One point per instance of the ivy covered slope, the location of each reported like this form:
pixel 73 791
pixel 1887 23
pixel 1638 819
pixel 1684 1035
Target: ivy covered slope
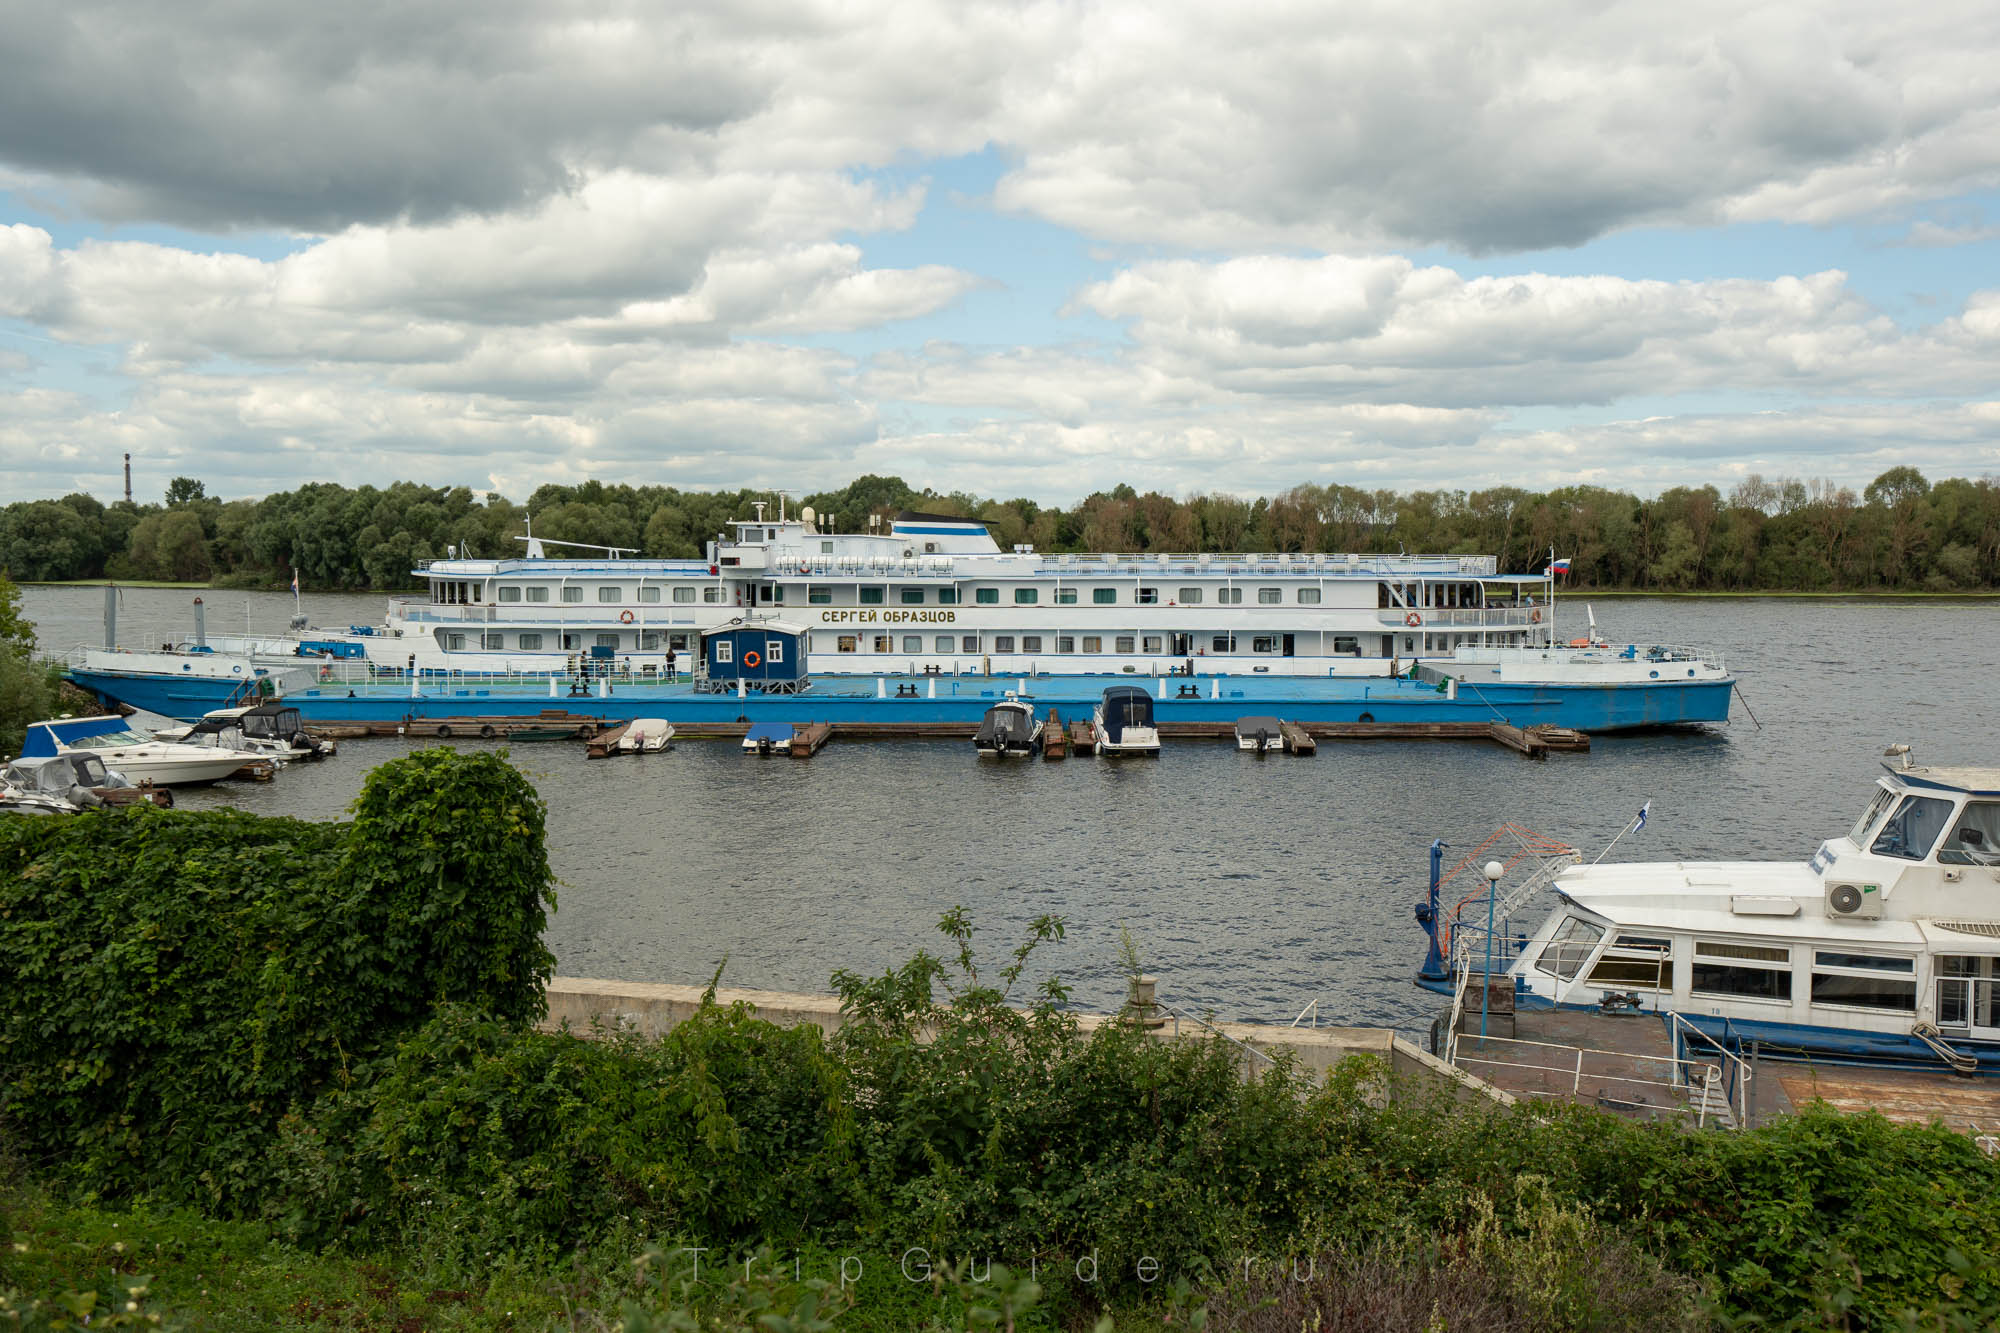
pixel 177 983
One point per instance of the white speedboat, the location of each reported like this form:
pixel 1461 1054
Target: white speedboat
pixel 1124 722
pixel 1259 735
pixel 1010 730
pixel 135 754
pixel 646 735
pixel 1883 946
pixel 81 780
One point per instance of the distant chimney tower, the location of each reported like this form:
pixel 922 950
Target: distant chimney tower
pixel 128 479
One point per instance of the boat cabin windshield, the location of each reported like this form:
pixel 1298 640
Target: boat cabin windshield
pixel 1884 798
pixel 277 724
pixel 1573 942
pixel 108 740
pixel 1975 836
pixel 1909 833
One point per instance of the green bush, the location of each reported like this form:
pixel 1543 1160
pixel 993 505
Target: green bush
pixel 485 1138
pixel 178 982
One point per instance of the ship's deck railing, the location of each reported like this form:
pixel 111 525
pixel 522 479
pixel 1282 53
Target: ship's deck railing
pixel 1475 617
pixel 1664 652
pixel 1699 1084
pixel 346 671
pixel 1268 562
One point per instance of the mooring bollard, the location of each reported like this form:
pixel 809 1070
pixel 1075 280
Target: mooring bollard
pixel 1140 1009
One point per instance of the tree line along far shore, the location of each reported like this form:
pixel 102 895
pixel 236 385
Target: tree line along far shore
pixel 1902 532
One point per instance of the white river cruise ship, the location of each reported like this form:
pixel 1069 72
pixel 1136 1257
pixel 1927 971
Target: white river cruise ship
pixel 933 593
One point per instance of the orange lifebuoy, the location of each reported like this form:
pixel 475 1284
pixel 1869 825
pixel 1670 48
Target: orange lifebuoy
pixel 1413 620
pixel 1579 643
pixel 750 659
pixel 624 617
pixel 1534 617
pixel 805 569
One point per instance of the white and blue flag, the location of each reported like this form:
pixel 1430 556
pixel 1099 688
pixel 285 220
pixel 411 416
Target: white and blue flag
pixel 1640 822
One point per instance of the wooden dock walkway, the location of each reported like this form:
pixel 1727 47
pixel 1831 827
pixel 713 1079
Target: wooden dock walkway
pixel 809 738
pixel 1059 741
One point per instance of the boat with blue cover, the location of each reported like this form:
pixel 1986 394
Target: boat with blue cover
pixel 1882 947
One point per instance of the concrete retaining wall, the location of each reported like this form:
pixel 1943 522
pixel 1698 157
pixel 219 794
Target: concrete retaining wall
pixel 653 1009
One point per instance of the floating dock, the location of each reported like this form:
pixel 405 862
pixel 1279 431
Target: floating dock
pixel 1059 740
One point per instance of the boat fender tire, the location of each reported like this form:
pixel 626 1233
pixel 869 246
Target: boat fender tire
pixel 486 732
pixel 165 798
pixel 1437 1025
pixel 1365 717
pixel 1413 620
pixel 443 733
pixel 624 617
pixel 1534 617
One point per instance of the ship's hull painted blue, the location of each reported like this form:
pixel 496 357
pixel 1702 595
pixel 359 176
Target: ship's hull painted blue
pixel 961 699
pixel 1791 1041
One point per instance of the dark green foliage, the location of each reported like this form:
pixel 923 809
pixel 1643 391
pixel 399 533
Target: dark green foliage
pixel 495 1139
pixel 177 982
pixel 327 1025
pixel 1783 535
pixel 27 689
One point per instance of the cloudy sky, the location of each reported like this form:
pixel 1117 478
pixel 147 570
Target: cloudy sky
pixel 1021 249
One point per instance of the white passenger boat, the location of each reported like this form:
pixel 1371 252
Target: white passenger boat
pixel 1010 730
pixel 1123 724
pixel 133 753
pixel 928 593
pixel 1883 946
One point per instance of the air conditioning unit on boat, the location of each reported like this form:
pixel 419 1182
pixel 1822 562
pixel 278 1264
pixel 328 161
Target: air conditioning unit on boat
pixel 1856 902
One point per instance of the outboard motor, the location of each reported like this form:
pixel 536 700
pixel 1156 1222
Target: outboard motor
pixel 82 797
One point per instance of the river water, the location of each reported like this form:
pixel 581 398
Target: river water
pixel 1251 886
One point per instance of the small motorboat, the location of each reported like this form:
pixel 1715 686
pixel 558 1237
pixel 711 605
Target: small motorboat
pixel 1259 735
pixel 82 781
pixel 646 735
pixel 1124 722
pixel 1010 730
pixel 267 730
pixel 769 738
pixel 138 756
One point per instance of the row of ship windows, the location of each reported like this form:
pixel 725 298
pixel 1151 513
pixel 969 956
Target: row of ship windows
pixel 821 595
pixel 1066 643
pixel 818 595
pixel 650 641
pixel 1733 971
pixel 612 594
